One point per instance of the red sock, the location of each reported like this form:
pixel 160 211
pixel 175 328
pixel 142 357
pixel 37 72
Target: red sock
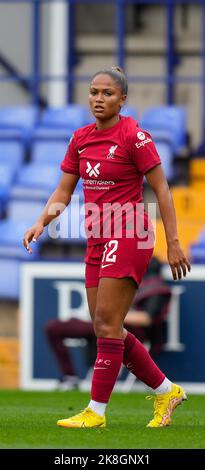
pixel 106 368
pixel 138 361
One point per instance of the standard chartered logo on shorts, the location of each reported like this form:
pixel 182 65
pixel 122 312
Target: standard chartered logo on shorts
pixel 93 171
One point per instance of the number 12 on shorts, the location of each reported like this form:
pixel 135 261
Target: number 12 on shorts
pixel 108 254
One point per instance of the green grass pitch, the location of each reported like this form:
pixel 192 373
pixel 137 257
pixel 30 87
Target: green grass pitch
pixel 28 420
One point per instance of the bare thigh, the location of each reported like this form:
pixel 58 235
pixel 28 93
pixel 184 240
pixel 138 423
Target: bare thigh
pixel 92 300
pixel 110 304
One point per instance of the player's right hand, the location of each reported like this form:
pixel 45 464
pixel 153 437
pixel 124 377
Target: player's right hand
pixel 32 235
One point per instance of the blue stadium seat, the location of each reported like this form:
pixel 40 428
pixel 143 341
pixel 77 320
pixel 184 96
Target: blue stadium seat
pixel 166 155
pixel 60 122
pixel 9 278
pixel 20 216
pixel 197 250
pixel 7 173
pixel 24 210
pixel 168 124
pixel 34 175
pixel 197 254
pixel 18 121
pixel 131 111
pixel 59 133
pixel 72 115
pixel 12 153
pixel 47 151
pixel 36 181
pixel 11 237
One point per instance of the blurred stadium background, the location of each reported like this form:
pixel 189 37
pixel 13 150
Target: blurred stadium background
pixel 48 52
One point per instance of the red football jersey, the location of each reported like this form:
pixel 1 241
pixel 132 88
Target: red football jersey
pixel 112 163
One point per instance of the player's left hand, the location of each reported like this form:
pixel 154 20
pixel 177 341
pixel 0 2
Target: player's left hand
pixel 178 262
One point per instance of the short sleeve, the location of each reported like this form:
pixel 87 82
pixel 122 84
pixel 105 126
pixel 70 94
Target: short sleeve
pixel 144 152
pixel 70 163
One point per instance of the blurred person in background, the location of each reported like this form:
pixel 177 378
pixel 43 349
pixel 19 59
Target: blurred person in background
pixel 112 155
pixel 144 320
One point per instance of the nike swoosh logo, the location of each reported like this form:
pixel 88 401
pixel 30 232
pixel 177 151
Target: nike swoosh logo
pixel 105 265
pixel 83 150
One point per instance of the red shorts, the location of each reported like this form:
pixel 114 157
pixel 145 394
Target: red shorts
pixel 117 258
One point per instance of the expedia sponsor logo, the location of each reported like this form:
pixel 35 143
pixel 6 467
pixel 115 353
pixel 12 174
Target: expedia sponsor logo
pixel 143 142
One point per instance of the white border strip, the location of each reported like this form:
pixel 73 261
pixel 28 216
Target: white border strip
pixel 30 271
pixel 191 387
pixel 197 274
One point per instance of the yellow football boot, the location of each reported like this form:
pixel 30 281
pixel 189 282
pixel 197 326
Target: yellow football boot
pixel 86 419
pixel 164 406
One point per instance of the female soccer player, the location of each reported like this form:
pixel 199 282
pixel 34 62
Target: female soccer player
pixel 112 156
